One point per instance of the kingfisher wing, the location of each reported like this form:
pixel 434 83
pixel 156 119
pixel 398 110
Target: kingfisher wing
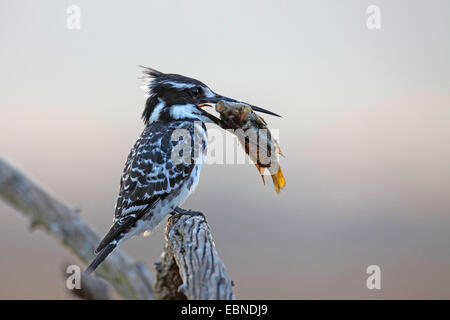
pixel 152 171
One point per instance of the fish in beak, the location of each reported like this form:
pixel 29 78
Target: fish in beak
pixel 254 136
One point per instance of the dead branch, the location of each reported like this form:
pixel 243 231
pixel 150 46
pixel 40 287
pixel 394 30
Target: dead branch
pixel 92 288
pixel 190 267
pixel 130 279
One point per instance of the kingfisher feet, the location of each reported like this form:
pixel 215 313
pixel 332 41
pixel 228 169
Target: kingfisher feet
pixel 181 211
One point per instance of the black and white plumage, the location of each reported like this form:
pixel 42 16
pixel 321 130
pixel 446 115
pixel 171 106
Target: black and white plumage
pixel 153 184
pixel 163 167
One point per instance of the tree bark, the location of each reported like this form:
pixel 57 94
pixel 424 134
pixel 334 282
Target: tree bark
pixel 190 262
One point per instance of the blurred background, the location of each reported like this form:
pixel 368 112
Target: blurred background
pixel 365 132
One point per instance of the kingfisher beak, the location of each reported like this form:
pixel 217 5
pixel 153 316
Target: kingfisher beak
pixel 216 98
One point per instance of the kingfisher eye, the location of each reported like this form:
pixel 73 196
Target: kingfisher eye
pixel 195 91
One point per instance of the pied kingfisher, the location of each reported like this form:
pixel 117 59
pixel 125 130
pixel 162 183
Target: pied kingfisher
pixel 158 176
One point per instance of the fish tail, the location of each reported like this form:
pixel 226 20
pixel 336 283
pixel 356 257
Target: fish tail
pixel 278 180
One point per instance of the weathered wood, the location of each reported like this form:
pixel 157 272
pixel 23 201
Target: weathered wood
pixel 130 278
pixel 190 266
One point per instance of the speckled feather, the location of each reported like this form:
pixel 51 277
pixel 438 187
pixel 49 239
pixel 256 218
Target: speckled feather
pixel 152 185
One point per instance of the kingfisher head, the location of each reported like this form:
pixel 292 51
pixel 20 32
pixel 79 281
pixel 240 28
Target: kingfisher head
pixel 172 97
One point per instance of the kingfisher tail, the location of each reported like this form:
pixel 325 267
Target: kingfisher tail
pixel 100 257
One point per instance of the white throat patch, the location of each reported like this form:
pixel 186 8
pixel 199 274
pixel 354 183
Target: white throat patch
pixel 184 111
